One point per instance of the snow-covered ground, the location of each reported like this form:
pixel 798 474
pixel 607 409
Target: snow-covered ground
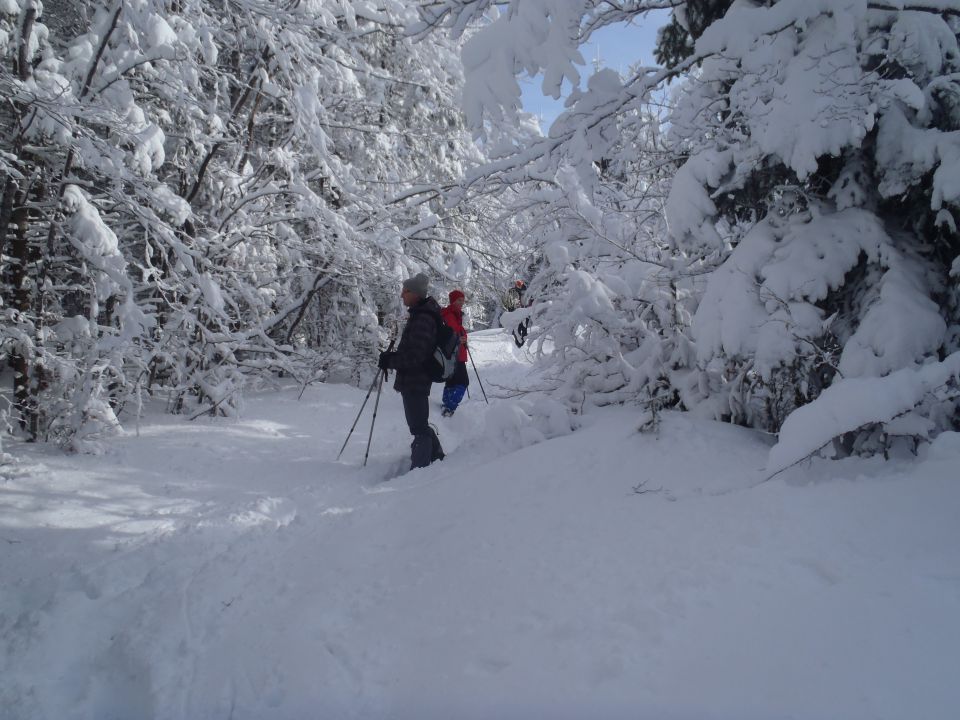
pixel 235 569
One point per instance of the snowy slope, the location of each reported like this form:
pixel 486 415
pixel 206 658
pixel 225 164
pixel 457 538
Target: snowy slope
pixel 234 569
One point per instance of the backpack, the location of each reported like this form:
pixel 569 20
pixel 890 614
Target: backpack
pixel 441 364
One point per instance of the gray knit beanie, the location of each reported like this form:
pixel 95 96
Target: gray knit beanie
pixel 418 284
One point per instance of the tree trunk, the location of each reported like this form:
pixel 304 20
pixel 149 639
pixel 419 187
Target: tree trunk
pixel 6 211
pixel 23 400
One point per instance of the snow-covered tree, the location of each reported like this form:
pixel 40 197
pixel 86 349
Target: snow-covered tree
pixel 831 126
pixel 592 191
pixel 810 221
pixel 603 288
pixel 197 195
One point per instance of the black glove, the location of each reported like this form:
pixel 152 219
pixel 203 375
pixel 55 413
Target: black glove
pixel 384 362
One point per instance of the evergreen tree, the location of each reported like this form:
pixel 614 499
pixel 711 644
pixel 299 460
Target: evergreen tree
pixel 675 41
pixel 821 192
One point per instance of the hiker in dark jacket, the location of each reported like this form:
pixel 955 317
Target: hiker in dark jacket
pixel 456 386
pixel 417 343
pixel 515 299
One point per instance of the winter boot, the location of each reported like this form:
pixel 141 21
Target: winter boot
pixel 425 449
pixel 421 451
pixel 438 453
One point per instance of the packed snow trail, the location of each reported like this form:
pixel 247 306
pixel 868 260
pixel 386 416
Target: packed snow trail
pixel 234 569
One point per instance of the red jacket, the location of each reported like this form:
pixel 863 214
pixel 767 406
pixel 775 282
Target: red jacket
pixel 454 320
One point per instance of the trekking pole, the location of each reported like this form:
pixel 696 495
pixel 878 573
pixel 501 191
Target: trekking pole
pixel 372 385
pixel 376 404
pixel 478 377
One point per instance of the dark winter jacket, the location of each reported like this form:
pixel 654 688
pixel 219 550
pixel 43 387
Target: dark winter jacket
pixel 417 342
pixel 453 317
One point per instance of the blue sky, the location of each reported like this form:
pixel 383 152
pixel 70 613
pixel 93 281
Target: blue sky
pixel 617 47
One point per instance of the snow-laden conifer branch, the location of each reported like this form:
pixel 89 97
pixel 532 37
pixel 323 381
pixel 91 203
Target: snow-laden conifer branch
pixel 942 7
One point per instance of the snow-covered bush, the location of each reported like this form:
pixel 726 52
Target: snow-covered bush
pixel 512 425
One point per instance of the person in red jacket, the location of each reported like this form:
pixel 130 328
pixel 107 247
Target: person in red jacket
pixel 456 386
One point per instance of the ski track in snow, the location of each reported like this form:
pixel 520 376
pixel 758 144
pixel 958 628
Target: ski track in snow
pixel 234 569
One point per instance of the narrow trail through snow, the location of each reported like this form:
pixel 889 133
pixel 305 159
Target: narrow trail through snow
pixel 235 569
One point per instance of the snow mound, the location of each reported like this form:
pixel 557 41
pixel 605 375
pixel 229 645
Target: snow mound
pixel 519 423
